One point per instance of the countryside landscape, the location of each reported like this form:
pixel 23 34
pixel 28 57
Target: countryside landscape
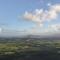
pixel 29 29
pixel 29 49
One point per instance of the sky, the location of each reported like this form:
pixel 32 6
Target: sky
pixel 19 17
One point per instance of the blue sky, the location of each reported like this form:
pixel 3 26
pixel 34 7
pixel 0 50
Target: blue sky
pixel 12 14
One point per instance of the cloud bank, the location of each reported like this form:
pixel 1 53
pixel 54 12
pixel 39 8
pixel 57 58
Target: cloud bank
pixel 40 16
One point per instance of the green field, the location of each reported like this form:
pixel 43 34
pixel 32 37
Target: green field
pixel 27 49
pixel 17 47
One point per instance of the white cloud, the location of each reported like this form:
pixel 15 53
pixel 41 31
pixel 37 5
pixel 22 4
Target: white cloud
pixel 53 12
pixel 55 27
pixel 0 30
pixel 49 4
pixel 40 16
pixel 36 16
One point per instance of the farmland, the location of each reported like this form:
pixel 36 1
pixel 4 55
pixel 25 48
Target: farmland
pixel 30 49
